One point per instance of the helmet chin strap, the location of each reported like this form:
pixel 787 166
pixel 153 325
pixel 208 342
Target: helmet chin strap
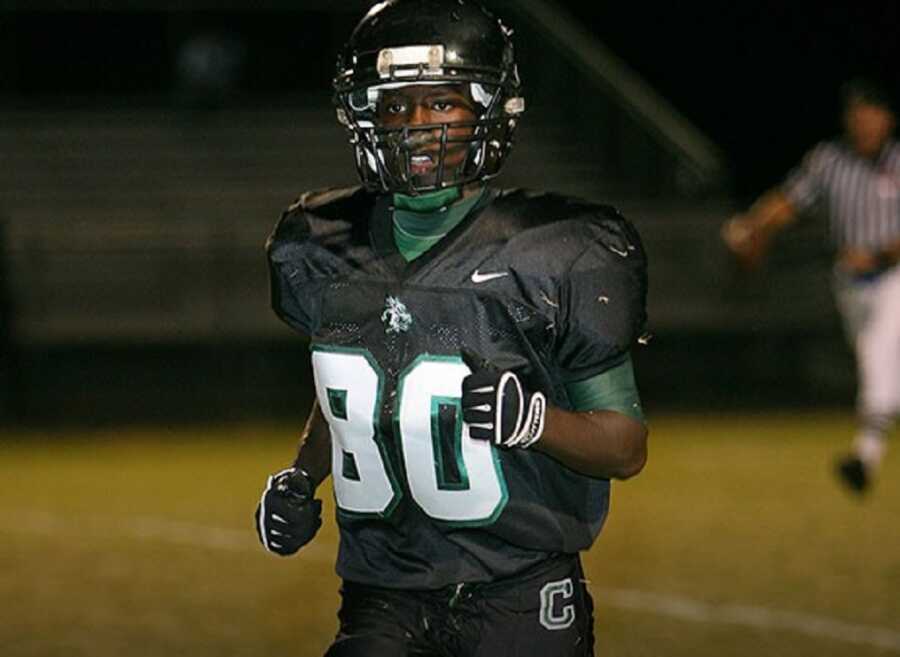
pixel 429 202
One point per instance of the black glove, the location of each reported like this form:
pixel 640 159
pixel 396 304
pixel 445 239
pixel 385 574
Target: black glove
pixel 288 517
pixel 497 408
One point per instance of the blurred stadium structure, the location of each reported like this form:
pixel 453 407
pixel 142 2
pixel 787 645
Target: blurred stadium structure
pixel 135 215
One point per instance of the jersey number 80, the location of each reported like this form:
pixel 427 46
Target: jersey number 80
pixel 350 386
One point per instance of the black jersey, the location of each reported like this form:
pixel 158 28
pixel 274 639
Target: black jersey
pixel 551 287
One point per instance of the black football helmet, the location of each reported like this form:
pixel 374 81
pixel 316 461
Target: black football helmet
pixel 402 43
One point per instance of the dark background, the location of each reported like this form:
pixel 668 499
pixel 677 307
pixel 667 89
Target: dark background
pixel 759 79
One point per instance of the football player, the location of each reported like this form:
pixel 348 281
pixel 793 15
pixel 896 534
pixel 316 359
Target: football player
pixel 471 355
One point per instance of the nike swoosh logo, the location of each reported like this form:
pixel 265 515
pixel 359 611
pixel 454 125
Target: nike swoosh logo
pixel 478 277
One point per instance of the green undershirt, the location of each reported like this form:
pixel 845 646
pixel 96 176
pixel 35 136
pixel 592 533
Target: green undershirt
pixel 421 221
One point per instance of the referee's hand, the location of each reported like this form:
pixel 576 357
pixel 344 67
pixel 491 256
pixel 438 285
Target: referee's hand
pixel 859 261
pixel 745 241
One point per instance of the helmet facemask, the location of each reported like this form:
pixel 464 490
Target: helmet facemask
pixel 394 153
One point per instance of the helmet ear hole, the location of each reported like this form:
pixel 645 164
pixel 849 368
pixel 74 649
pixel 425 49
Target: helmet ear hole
pixel 401 43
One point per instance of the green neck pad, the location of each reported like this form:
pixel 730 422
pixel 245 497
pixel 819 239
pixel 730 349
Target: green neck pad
pixel 427 202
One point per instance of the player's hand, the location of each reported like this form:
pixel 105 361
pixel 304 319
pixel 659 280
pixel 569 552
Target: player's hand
pixel 745 241
pixel 497 407
pixel 287 516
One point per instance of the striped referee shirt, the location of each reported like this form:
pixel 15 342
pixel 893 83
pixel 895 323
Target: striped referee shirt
pixel 860 197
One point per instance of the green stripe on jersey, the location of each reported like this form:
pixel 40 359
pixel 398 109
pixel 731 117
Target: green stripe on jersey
pixel 613 390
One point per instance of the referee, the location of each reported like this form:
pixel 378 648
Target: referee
pixel 854 180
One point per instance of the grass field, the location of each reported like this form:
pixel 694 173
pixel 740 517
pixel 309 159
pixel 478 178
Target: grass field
pixel 735 540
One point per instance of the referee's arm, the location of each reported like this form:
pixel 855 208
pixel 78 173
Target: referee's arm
pixel 750 234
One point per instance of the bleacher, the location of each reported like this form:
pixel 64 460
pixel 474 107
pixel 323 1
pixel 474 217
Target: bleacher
pixel 147 224
pixel 136 224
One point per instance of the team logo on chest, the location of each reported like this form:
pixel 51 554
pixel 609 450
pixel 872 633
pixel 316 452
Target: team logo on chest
pixel 396 317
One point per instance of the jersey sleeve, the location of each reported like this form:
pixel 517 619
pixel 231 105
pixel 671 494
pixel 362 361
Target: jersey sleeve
pixel 613 390
pixel 603 299
pixel 804 183
pixel 292 295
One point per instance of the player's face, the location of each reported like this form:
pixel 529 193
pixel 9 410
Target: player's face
pixel 868 126
pixel 430 105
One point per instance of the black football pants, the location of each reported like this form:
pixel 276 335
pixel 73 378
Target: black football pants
pixel 544 612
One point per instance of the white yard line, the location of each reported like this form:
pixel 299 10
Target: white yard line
pixel 763 618
pixel 234 540
pixel 148 528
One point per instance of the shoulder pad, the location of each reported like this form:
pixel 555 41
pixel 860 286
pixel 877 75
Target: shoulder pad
pixel 531 209
pixel 308 246
pixel 606 226
pixel 528 208
pixel 567 225
pixel 322 200
pixel 604 308
pixel 346 206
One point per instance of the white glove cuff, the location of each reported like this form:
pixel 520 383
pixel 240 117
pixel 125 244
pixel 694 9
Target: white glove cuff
pixel 533 426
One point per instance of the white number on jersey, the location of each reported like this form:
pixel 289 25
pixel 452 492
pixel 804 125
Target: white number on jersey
pixel 350 386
